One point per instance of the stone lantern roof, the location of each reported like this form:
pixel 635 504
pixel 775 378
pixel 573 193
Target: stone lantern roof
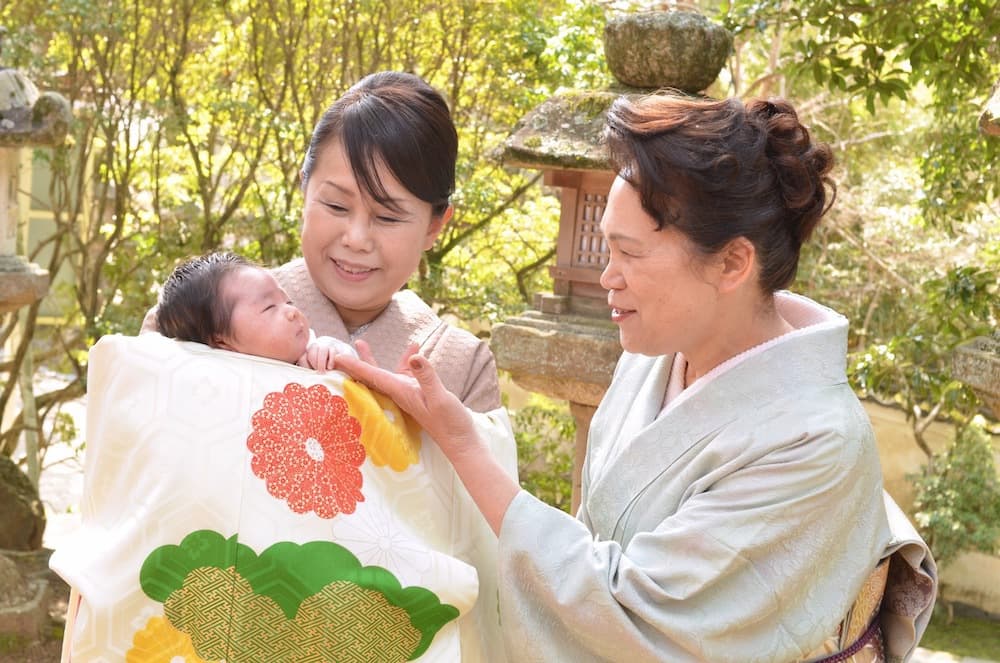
pixel 29 118
pixel 646 51
pixel 562 132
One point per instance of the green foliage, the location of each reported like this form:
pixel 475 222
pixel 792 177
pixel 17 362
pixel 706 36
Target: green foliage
pixel 545 432
pixel 913 365
pixel 882 51
pixel 958 497
pixel 963 637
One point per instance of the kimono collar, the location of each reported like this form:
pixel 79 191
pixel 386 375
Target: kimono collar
pixel 627 434
pixel 809 320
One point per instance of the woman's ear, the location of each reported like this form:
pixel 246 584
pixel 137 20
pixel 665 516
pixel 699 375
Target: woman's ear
pixel 738 262
pixel 436 225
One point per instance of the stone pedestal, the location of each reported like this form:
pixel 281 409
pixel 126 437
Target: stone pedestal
pixel 977 364
pixel 21 283
pixel 563 356
pixel 24 602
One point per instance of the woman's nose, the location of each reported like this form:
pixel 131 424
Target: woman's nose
pixel 611 278
pixel 357 235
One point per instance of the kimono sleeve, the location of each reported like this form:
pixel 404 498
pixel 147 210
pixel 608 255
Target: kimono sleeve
pixel 758 563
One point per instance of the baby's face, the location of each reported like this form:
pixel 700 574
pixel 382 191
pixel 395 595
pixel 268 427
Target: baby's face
pixel 263 322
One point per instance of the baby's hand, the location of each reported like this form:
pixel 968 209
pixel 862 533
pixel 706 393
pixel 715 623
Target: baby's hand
pixel 319 357
pixel 321 350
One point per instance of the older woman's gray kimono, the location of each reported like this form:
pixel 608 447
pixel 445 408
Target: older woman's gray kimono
pixel 736 525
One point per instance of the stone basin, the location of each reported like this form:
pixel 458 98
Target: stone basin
pixel 977 364
pixel 666 49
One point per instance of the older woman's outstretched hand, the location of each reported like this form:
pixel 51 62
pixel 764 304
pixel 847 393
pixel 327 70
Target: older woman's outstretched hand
pixel 416 388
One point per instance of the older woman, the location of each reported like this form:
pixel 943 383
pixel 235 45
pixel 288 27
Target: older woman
pixel 732 503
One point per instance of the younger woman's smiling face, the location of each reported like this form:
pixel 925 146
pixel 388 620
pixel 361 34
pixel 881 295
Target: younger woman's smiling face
pixel 263 322
pixel 660 299
pixel 360 252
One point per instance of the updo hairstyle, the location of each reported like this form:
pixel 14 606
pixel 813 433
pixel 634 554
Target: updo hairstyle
pixel 720 169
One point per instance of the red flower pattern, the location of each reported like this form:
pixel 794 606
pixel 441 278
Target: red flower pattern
pixel 307 449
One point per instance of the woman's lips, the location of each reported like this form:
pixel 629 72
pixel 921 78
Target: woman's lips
pixel 619 314
pixel 350 272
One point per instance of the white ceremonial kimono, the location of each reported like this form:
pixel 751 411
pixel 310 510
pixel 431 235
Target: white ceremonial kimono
pixel 738 524
pixel 467 369
pixel 246 509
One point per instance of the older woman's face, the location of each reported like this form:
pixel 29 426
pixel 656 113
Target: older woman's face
pixel 360 252
pixel 659 298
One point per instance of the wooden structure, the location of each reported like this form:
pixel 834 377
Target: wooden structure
pixel 581 252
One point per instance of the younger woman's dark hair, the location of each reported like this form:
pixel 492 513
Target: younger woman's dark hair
pixel 720 169
pixel 397 119
pixel 191 306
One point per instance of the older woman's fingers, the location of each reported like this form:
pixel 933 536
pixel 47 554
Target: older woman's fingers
pixel 365 352
pixel 425 374
pixel 404 361
pixel 359 369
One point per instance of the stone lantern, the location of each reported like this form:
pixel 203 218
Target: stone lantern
pixel 27 119
pixel 989 120
pixel 977 364
pixel 566 347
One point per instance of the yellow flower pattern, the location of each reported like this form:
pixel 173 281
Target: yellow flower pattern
pixel 389 436
pixel 160 642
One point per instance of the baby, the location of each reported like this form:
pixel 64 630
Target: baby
pixel 224 301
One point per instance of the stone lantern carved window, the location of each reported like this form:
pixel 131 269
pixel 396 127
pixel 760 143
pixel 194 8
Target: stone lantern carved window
pixel 581 251
pixel 590 249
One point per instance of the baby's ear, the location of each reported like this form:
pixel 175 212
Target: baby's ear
pixel 218 342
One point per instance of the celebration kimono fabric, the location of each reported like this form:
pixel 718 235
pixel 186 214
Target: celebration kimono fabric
pixel 243 509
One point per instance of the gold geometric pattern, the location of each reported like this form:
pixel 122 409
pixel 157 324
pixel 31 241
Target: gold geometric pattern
pixel 208 592
pixel 354 623
pixel 342 622
pixel 856 623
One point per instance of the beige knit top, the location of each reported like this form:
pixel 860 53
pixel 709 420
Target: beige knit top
pixel 463 362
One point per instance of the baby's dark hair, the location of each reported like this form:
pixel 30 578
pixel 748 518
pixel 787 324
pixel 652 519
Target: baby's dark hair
pixel 191 306
pixel 720 169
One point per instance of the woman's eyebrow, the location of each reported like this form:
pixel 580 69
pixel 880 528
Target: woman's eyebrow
pixel 342 189
pixel 619 237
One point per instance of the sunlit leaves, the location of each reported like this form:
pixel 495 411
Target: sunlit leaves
pixel 958 497
pixel 879 52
